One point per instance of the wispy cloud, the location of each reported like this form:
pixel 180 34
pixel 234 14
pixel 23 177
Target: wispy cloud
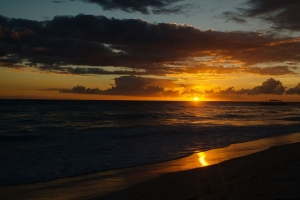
pixel 146 7
pixel 283 14
pixel 58 1
pixel 233 16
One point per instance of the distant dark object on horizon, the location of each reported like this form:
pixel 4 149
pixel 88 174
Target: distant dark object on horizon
pixel 274 102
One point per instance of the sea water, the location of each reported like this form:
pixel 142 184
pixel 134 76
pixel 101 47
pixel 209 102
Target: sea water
pixel 42 140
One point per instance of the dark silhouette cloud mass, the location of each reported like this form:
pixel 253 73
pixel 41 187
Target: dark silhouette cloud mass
pixel 132 48
pixel 147 58
pixel 284 14
pixel 259 7
pixel 131 86
pixel 65 44
pixel 232 16
pixel 295 90
pixel 140 86
pixel 278 70
pixel 271 86
pixel 144 6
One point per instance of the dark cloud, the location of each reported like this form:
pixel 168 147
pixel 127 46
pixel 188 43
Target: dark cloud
pixel 284 14
pixel 259 7
pixel 179 9
pixel 292 63
pixel 144 6
pixel 271 86
pixel 65 44
pixel 278 70
pixel 130 86
pixel 141 86
pixel 82 90
pixel 87 70
pixel 205 69
pixel 287 19
pixel 232 16
pixel 275 52
pixel 295 90
pixel 11 61
pixel 58 1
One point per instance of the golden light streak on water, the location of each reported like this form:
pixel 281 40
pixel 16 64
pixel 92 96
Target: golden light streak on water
pixel 202 160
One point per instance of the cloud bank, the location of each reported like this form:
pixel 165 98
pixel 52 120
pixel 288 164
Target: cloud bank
pixel 136 50
pixel 131 86
pixel 87 44
pixel 140 86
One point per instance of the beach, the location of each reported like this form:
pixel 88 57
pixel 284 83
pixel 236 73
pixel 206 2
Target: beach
pixel 149 99
pixel 269 173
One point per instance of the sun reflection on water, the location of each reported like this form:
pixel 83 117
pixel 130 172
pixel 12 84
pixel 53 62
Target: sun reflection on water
pixel 202 160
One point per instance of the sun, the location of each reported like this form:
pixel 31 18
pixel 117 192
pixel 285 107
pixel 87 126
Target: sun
pixel 196 99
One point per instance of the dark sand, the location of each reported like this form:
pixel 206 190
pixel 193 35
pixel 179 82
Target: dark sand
pixel 269 174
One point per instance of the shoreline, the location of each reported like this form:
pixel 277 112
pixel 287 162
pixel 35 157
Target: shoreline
pixel 267 175
pixel 111 183
pixel 192 155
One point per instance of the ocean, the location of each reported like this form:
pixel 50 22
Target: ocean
pixel 42 140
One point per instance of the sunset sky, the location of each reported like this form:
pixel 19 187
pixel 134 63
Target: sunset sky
pixel 240 50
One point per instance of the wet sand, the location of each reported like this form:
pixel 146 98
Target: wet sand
pixel 272 173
